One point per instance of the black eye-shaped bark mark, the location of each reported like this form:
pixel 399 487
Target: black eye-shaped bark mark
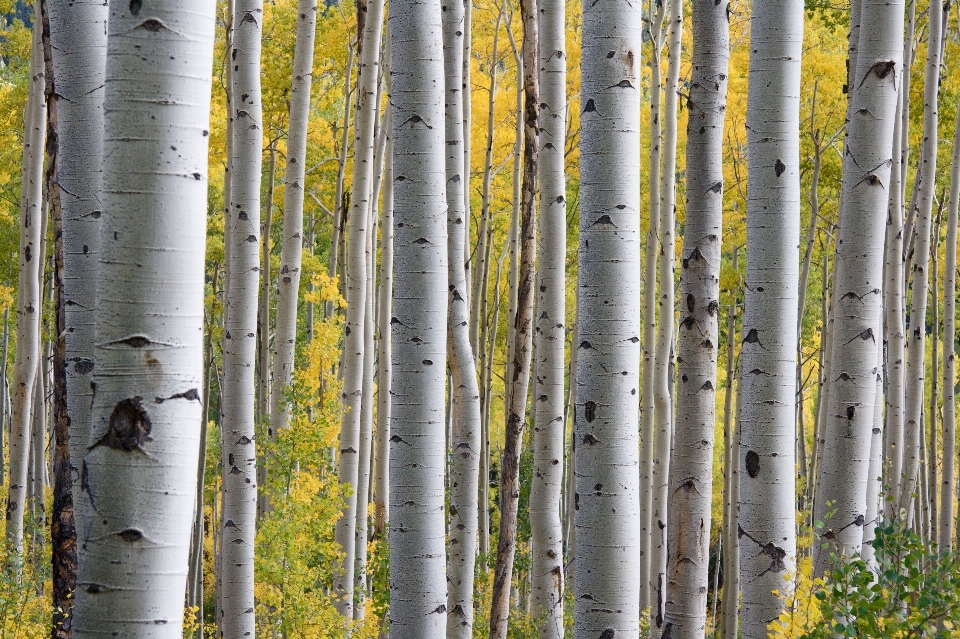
pixel 753 463
pixel 609 633
pixel 135 6
pixel 190 395
pixel 83 366
pixel 779 168
pixel 590 439
pixel 129 426
pixel 590 411
pixel 130 535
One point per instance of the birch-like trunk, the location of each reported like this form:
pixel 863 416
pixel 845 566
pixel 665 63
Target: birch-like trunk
pixel 418 590
pixel 465 395
pixel 663 356
pixel 848 421
pixel 549 428
pixel 79 45
pixel 917 330
pixel 691 469
pixel 875 468
pixel 140 466
pixel 358 225
pixel 29 303
pixel 520 341
pixel 238 451
pixel 948 498
pixel 648 400
pixel 338 213
pixel 607 553
pixel 729 615
pixel 767 474
pixel 291 252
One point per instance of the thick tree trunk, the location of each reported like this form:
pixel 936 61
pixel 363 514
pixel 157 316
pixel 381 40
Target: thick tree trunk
pixel 767 518
pixel 465 393
pixel 418 591
pixel 546 531
pixel 663 356
pixel 947 487
pixel 648 400
pixel 29 303
pixel 140 467
pixel 521 341
pixel 607 554
pixel 358 225
pixel 849 417
pixel 236 615
pixel 917 330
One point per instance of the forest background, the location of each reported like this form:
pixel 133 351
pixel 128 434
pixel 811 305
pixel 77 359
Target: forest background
pixel 295 540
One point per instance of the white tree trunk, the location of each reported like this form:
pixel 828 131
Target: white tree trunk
pixel 236 616
pixel 767 474
pixel 651 251
pixel 729 616
pixel 607 563
pixel 29 303
pixel 418 591
pixel 358 225
pixel 663 356
pixel 549 428
pixel 691 469
pixel 140 468
pixel 849 418
pixel 465 395
pixel 78 41
pixel 875 476
pixel 917 330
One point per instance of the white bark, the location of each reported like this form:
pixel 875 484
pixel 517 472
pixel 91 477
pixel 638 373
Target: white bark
pixel 78 40
pixel 236 615
pixel 848 423
pixel 729 616
pixel 29 303
pixel 948 499
pixel 663 356
pixel 418 591
pixel 917 329
pixel 875 476
pixel 465 395
pixel 607 563
pixel 549 428
pixel 358 225
pixel 691 469
pixel 767 474
pixel 140 468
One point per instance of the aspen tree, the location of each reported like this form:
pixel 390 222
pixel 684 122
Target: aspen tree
pixel 849 416
pixel 358 225
pixel 236 614
pixel 917 331
pixel 465 392
pixel 418 591
pixel 691 468
pixel 729 613
pixel 79 46
pixel 546 531
pixel 767 518
pixel 291 252
pixel 663 356
pixel 875 467
pixel 948 499
pixel 607 553
pixel 647 424
pixel 140 465
pixel 520 337
pixel 29 302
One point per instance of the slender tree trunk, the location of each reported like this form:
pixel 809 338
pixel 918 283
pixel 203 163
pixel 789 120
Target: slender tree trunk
pixel 263 315
pixel 917 333
pixel 647 403
pixel 513 235
pixel 236 616
pixel 947 483
pixel 875 476
pixel 288 285
pixel 849 417
pixel 607 560
pixel 3 392
pixel 356 284
pixel 140 468
pixel 339 205
pixel 465 393
pixel 767 517
pixel 546 530
pixel 663 356
pixel 570 488
pixel 933 458
pixel 490 342
pixel 731 545
pixel 418 591
pixel 467 124
pixel 29 303
pixel 518 363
